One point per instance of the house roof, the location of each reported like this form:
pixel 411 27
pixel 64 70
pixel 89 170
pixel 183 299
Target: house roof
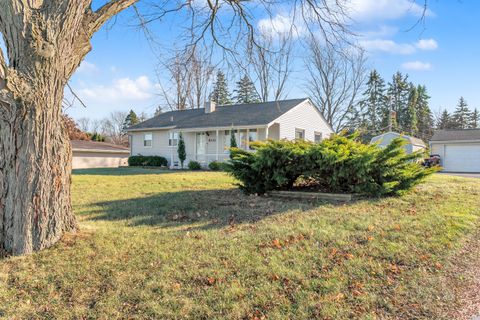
pixel 456 135
pixel 224 116
pixel 413 140
pixel 94 146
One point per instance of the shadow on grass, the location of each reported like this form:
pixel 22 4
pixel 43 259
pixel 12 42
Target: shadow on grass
pixel 212 208
pixel 124 171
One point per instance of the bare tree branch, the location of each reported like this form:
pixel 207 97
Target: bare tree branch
pixel 108 10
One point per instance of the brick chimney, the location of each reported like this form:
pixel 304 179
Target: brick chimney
pixel 210 106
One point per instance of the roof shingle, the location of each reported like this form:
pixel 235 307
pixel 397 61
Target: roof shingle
pixel 224 116
pixel 82 145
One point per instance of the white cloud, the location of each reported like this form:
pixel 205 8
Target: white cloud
pixel 368 10
pixel 280 24
pixel 87 68
pixel 417 66
pixel 427 44
pixel 380 32
pixel 122 89
pixel 389 46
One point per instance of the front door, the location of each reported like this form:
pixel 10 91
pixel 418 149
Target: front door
pixel 201 147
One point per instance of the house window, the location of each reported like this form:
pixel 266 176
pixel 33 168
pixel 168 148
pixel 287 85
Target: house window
pixel 318 137
pixel 252 136
pixel 173 139
pixel 299 134
pixel 147 140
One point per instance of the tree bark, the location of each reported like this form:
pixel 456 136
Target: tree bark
pixel 35 170
pixel 46 41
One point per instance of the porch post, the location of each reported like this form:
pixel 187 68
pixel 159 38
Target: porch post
pixel 248 139
pixel 266 132
pixel 171 152
pixel 217 146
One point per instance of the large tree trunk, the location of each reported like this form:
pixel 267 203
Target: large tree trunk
pixel 35 166
pixel 46 41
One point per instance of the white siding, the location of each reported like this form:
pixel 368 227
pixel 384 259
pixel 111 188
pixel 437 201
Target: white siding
pixel 305 116
pixel 84 160
pixel 159 144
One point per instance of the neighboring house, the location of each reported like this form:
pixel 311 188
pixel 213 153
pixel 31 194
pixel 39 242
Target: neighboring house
pixel 91 154
pixel 206 131
pixel 413 144
pixel 459 150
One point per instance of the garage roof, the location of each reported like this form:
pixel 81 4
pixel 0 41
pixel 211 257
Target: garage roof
pixel 94 146
pixel 456 135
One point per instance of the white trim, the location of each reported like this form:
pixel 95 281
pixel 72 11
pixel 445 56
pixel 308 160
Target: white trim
pixel 150 129
pixel 454 141
pixel 221 128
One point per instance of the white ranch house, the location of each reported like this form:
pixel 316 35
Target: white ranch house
pixel 206 131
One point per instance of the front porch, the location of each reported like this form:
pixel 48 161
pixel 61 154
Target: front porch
pixel 207 145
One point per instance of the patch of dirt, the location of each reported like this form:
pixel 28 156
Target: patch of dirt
pixel 465 278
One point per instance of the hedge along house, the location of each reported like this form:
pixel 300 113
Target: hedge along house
pixel 206 131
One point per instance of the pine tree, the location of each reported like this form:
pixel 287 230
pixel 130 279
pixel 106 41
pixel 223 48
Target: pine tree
pixel 246 92
pixel 425 122
pixel 474 120
pixel 410 114
pixel 220 94
pixel 461 115
pixel 398 93
pixel 445 121
pixel 130 120
pixel 233 140
pixel 182 154
pixel 373 104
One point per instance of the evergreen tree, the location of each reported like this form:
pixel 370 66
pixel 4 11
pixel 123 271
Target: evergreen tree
pixel 220 94
pixel 474 119
pixel 445 121
pixel 373 104
pixel 182 154
pixel 130 120
pixel 398 94
pixel 461 115
pixel 425 122
pixel 409 117
pixel 246 92
pixel 233 140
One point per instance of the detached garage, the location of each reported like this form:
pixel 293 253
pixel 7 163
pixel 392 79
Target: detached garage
pixel 91 154
pixel 459 150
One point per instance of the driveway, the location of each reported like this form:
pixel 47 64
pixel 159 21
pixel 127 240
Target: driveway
pixel 466 175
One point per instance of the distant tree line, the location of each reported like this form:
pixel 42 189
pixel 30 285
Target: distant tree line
pixel 399 105
pixel 461 118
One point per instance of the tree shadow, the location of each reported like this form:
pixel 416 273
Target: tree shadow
pixel 123 171
pixel 203 208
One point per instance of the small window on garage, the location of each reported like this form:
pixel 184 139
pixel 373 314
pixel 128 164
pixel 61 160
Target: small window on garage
pixel 299 134
pixel 147 140
pixel 318 137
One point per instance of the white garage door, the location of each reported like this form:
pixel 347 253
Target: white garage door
pixel 462 158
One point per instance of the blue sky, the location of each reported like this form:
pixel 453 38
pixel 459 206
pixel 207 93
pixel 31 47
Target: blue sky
pixel 119 73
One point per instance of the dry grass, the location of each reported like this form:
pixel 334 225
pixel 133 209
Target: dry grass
pixel 189 245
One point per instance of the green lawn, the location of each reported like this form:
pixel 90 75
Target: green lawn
pixel 162 245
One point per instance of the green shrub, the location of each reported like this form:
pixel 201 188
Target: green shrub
pixel 215 166
pixel 339 164
pixel 147 161
pixel 194 165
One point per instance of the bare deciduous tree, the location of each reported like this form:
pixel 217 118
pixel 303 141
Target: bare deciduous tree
pixel 336 78
pixel 46 41
pixel 112 128
pixel 271 63
pixel 190 74
pixel 84 124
